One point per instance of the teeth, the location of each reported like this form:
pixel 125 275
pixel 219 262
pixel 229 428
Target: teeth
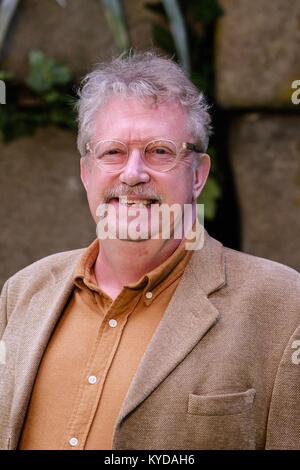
pixel 134 202
pixel 139 205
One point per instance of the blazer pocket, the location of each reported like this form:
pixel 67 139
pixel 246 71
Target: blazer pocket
pixel 219 405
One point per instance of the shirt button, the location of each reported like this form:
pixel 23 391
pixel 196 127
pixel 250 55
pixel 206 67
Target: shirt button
pixel 149 295
pixel 113 323
pixel 73 441
pixel 92 379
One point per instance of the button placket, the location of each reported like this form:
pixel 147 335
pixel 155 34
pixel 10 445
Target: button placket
pixel 94 377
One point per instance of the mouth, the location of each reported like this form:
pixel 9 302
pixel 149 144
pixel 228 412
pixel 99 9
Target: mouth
pixel 130 201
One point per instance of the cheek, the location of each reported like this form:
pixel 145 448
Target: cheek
pixel 94 191
pixel 179 188
pixel 98 183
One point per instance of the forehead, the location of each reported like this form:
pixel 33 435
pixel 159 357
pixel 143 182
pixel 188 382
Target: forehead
pixel 128 118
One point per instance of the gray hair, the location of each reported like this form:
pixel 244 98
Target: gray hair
pixel 143 75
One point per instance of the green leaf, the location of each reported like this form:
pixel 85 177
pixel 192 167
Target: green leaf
pixel 178 29
pixel 46 73
pixel 36 58
pixel 209 197
pixel 53 97
pixel 114 15
pixel 7 11
pixel 5 75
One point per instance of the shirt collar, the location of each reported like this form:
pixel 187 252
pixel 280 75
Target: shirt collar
pixel 171 268
pixel 84 274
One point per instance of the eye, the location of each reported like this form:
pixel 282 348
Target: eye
pixel 113 151
pixel 161 148
pixel 110 150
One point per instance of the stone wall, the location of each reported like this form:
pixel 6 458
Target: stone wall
pixel 265 155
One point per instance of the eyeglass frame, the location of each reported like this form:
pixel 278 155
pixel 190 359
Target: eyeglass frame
pixel 185 146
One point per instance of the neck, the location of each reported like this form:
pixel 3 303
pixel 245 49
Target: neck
pixel 122 262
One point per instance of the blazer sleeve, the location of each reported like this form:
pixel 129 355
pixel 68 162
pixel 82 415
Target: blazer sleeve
pixel 3 309
pixel 283 429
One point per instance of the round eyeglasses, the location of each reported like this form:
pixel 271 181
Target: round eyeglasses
pixel 159 154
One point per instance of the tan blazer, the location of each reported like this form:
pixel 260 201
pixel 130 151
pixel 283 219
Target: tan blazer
pixel 222 370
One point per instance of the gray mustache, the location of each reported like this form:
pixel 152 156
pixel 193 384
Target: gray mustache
pixel 141 191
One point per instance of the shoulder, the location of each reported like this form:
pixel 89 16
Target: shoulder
pixel 54 267
pixel 263 287
pixel 40 276
pixel 244 268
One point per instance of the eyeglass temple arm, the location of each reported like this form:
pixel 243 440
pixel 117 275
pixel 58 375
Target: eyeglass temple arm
pixel 192 147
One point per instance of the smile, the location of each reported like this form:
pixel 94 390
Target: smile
pixel 130 202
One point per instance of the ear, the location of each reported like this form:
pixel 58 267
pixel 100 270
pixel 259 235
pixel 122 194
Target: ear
pixel 201 172
pixel 84 172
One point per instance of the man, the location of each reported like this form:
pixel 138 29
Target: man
pixel 138 341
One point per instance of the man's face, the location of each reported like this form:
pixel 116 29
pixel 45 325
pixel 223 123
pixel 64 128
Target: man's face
pixel 134 122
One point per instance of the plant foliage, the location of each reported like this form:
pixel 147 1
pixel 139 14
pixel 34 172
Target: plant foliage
pixel 46 98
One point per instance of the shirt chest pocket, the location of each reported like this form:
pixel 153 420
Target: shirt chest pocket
pixel 224 404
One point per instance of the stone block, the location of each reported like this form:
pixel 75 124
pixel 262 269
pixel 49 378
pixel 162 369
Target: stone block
pixel 43 204
pixel 265 157
pixel 257 53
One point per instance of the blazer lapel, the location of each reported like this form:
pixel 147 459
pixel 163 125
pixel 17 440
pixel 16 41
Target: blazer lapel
pixel 188 317
pixel 44 311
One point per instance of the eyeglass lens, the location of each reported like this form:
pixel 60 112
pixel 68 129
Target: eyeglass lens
pixel 158 154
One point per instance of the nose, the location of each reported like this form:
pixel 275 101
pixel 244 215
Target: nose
pixel 135 171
